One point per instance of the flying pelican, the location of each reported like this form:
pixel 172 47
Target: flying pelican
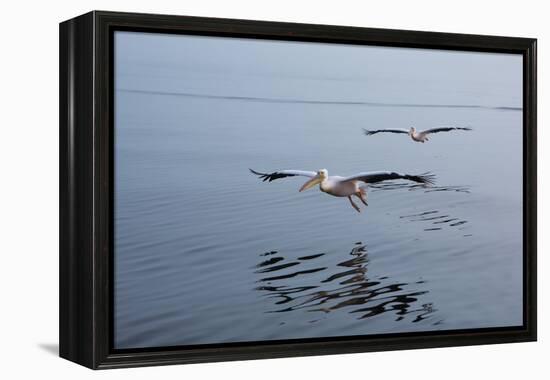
pixel 344 186
pixel 418 136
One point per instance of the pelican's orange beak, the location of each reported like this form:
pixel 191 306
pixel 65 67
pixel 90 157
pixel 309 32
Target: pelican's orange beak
pixel 312 182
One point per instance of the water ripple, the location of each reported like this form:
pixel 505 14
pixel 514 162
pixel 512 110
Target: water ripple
pixel 344 287
pixel 436 220
pixel 412 187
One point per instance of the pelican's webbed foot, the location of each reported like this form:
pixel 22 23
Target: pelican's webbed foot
pixel 363 197
pixel 353 204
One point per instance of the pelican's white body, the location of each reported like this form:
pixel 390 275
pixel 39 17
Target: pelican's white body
pixel 334 185
pixel 337 186
pixel 418 136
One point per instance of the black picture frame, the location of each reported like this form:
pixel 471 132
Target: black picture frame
pixel 86 184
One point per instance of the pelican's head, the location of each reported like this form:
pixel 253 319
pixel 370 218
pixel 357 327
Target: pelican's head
pixel 412 131
pixel 320 177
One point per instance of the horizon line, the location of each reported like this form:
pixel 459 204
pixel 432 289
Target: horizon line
pixel 314 101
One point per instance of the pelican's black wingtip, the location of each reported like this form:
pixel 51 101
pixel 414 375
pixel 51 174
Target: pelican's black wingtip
pixel 263 176
pixel 427 178
pixel 366 132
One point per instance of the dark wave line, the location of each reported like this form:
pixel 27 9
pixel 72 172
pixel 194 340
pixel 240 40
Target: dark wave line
pixel 309 101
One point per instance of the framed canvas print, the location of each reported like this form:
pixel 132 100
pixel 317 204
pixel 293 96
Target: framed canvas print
pixel 236 189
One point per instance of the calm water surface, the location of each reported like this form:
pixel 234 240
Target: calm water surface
pixel 207 253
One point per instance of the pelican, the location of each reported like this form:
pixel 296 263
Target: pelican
pixel 344 186
pixel 418 136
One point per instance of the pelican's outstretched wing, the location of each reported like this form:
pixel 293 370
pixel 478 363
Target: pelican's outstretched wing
pixel 444 129
pixel 282 174
pixel 373 177
pixel 368 133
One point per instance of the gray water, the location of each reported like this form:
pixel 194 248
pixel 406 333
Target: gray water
pixel 205 252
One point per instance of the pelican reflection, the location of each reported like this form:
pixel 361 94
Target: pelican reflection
pixel 296 284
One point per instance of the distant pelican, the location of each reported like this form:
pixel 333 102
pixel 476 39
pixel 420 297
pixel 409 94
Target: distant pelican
pixel 344 186
pixel 418 136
